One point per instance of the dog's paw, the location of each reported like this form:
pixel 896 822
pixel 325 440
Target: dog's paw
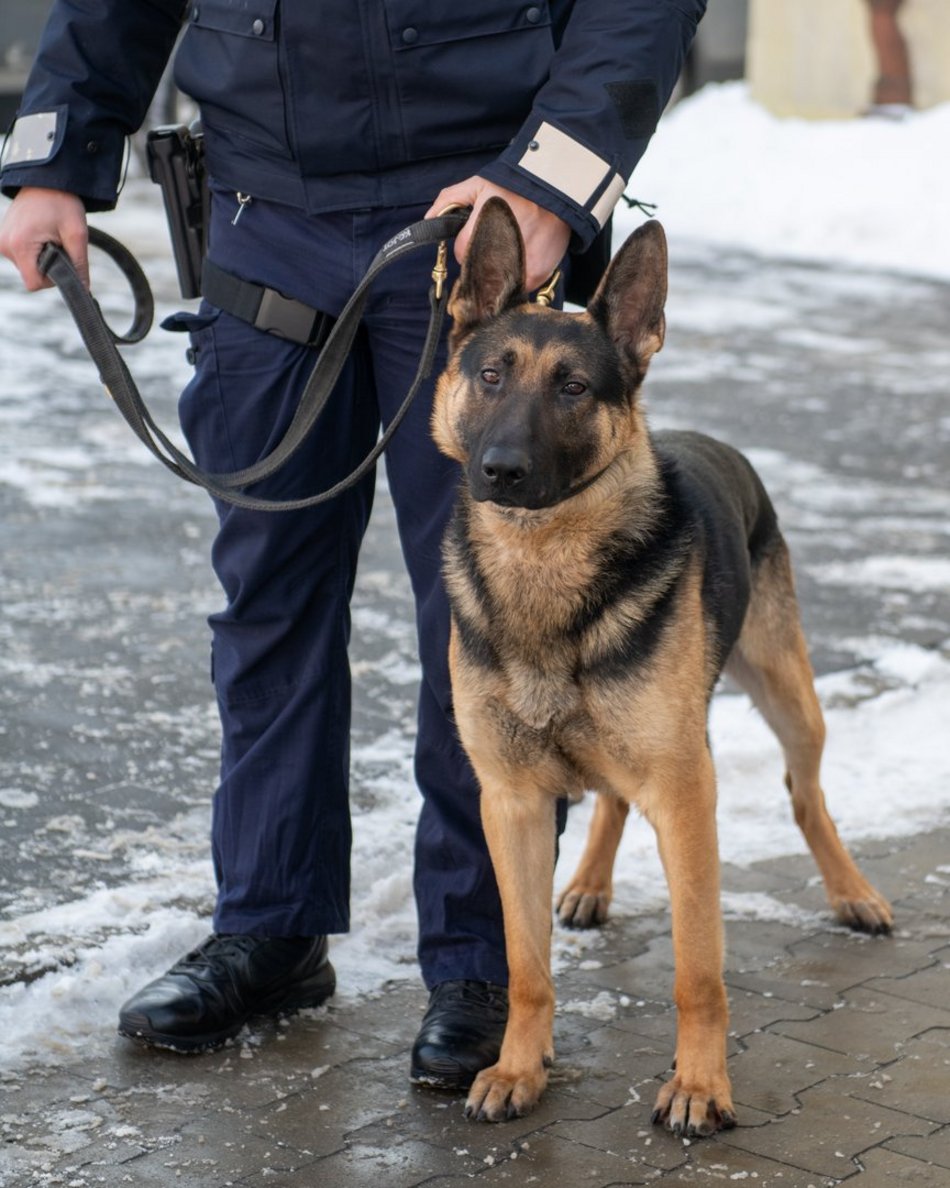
pixel 692 1111
pixel 864 909
pixel 499 1096
pixel 583 907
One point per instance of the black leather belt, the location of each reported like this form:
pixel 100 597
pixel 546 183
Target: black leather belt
pixel 265 309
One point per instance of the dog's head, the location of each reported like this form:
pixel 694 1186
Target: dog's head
pixel 536 403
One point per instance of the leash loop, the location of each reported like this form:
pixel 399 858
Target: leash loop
pixel 101 343
pixel 55 264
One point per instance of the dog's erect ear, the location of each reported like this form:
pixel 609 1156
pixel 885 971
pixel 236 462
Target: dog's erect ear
pixel 629 300
pixel 492 278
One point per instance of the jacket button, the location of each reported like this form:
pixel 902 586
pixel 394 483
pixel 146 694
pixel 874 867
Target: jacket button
pixel 92 146
pixel 195 13
pixel 410 36
pixel 258 27
pixel 532 16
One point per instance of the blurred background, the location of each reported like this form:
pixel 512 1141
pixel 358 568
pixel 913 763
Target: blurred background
pixel 811 58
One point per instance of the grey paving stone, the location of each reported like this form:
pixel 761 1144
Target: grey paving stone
pixel 215 1166
pixel 626 1132
pixel 618 1050
pixel 918 1083
pixel 815 970
pixel 882 1166
pixel 844 959
pixel 906 859
pixel 750 1012
pixel 647 976
pixel 713 1162
pixel 772 1072
pixel 928 986
pixel 925 914
pixel 550 1160
pixel 786 980
pixel 397 1163
pixel 868 1023
pixel 756 944
pixel 934 1148
pixel 265 1065
pixel 827 1132
pixel 761 877
pixel 339 1102
pixel 391 1018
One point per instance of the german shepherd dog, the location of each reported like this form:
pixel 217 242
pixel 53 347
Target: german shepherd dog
pixel 601 578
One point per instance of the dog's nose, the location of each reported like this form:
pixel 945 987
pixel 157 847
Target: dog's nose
pixel 505 466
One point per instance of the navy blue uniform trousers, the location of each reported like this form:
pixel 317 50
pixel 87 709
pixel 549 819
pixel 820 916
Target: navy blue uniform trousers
pixel 281 823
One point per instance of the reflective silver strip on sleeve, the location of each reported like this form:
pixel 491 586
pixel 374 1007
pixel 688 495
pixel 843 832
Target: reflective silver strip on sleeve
pixel 555 158
pixel 32 140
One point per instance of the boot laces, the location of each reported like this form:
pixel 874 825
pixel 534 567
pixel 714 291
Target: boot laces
pixel 217 954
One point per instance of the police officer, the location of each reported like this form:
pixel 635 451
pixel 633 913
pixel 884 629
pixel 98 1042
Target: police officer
pixel 329 126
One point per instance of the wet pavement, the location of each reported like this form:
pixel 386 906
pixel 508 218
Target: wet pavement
pixel 836 382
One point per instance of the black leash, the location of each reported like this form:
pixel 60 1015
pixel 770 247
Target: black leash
pixel 101 343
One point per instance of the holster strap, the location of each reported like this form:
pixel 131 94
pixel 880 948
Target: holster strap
pixel 265 309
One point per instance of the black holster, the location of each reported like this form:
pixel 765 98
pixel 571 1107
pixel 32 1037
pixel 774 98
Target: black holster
pixel 176 163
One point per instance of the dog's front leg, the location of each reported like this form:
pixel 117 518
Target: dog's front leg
pixel 520 829
pixel 697 1100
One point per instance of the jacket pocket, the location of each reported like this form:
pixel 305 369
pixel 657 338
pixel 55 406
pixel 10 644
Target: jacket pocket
pixel 229 61
pixel 466 75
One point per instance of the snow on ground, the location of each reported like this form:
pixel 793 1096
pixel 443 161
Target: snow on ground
pixel 866 193
pixel 880 747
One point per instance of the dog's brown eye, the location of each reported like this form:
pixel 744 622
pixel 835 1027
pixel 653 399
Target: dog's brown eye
pixel 575 388
pixel 490 376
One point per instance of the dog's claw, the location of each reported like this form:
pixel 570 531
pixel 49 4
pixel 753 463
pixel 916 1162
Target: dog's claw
pixel 690 1113
pixel 864 911
pixel 581 910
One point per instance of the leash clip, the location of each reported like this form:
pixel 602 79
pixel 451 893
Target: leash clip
pixel 440 271
pixel 545 294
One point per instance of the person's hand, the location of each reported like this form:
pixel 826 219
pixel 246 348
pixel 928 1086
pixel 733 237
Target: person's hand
pixel 545 235
pixel 37 216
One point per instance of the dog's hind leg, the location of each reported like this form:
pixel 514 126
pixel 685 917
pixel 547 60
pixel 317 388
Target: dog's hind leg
pixel 584 901
pixel 770 662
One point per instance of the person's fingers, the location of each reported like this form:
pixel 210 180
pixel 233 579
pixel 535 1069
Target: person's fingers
pixel 37 217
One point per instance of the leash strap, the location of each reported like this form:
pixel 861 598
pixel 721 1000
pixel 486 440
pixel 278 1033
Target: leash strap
pixel 101 343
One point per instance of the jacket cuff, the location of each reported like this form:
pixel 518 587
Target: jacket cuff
pixel 562 174
pixel 47 149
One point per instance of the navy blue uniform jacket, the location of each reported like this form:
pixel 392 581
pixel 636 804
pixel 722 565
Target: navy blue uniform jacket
pixel 349 104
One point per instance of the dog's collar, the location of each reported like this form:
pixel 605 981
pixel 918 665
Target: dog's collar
pixel 588 482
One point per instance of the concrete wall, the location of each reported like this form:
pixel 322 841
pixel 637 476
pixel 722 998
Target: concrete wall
pixel 814 58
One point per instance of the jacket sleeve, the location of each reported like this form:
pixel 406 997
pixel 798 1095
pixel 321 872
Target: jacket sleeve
pixel 97 67
pixel 612 74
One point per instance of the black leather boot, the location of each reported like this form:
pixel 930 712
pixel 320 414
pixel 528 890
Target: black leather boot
pixel 461 1034
pixel 208 996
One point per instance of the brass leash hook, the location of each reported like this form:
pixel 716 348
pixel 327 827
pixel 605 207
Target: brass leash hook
pixel 440 271
pixel 545 294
